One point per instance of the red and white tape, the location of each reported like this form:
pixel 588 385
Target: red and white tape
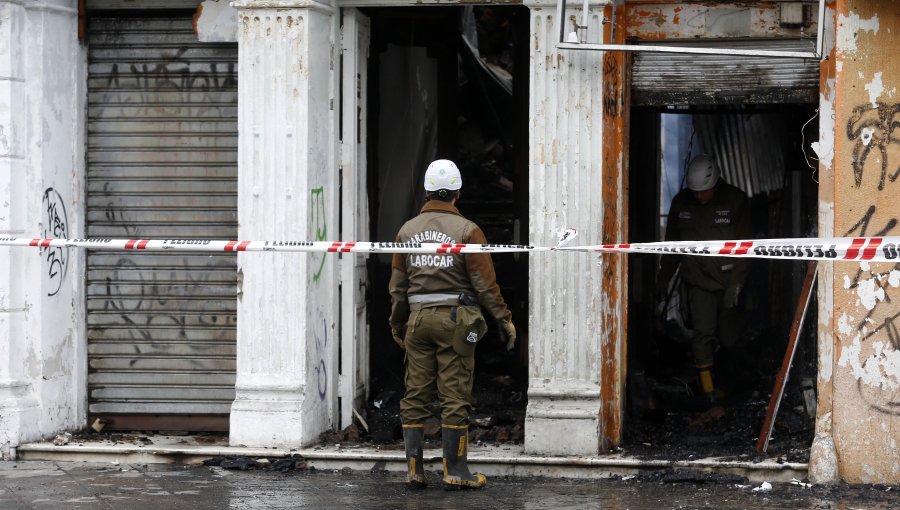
pixel 209 245
pixel 864 249
pixel 867 249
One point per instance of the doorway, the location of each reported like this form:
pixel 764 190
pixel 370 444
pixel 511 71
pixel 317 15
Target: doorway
pixel 450 82
pixel 761 149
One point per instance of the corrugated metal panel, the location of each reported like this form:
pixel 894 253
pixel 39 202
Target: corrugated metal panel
pixel 162 163
pixel 660 79
pixel 743 144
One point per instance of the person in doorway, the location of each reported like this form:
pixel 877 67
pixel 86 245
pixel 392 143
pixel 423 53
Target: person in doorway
pixel 709 209
pixel 436 317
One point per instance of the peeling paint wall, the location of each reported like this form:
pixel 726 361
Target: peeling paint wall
pixel 216 21
pixel 42 372
pixel 865 375
pixel 684 20
pixel 286 389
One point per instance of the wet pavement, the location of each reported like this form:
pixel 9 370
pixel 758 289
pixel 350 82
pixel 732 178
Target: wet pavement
pixel 72 485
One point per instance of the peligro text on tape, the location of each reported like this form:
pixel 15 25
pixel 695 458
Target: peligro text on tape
pixel 864 249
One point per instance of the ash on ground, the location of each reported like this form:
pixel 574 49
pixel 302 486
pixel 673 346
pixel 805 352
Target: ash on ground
pixel 666 417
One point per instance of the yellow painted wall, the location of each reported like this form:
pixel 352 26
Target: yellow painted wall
pixel 866 359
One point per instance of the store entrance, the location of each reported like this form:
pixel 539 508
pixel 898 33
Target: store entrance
pixel 450 82
pixel 762 150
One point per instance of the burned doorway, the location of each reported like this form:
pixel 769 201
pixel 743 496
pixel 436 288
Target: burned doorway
pixel 450 82
pixel 759 133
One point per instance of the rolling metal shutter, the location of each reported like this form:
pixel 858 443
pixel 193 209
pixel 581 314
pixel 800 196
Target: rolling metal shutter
pixel 660 79
pixel 161 163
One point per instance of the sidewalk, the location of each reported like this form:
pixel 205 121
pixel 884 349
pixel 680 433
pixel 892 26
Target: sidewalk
pixel 499 460
pixel 39 485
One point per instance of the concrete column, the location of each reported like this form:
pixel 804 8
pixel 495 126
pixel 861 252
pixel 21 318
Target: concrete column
pixel 286 385
pixel 18 402
pixel 565 324
pixel 42 95
pixel 862 371
pixel 823 465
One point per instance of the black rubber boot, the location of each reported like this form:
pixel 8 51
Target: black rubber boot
pixel 414 439
pixel 455 440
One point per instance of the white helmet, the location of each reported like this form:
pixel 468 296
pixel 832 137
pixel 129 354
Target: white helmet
pixel 703 173
pixel 442 174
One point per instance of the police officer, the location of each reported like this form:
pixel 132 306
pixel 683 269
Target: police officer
pixel 709 209
pixel 436 318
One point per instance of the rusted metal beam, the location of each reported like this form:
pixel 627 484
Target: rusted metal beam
pixel 567 43
pixel 688 49
pixel 163 422
pixel 82 20
pixel 614 226
pixel 781 379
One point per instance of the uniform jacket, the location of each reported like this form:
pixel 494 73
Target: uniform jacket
pixel 443 273
pixel 726 216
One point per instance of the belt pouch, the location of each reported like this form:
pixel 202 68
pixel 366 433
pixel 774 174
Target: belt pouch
pixel 470 327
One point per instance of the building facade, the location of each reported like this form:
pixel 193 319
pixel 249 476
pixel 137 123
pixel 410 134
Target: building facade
pixel 171 119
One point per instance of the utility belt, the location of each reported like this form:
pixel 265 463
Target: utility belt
pixel 419 301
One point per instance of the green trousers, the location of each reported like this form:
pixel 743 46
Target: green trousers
pixel 434 362
pixel 714 324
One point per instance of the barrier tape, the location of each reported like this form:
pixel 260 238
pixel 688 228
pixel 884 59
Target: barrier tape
pixel 209 245
pixel 864 249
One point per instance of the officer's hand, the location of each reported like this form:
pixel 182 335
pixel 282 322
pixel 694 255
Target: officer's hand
pixel 730 299
pixel 508 333
pixel 398 334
